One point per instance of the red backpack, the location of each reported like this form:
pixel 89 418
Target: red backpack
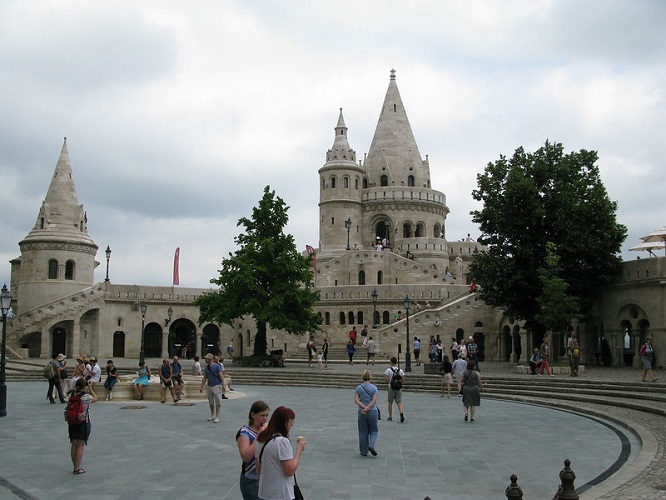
pixel 74 410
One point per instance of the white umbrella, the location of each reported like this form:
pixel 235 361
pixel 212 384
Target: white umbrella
pixel 649 246
pixel 656 236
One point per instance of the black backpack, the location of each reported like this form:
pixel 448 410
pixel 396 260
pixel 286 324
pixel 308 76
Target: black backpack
pixel 396 380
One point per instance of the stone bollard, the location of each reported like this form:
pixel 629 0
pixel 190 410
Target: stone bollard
pixel 513 491
pixel 566 490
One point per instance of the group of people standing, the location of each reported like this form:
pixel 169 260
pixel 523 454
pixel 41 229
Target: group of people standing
pixel 86 368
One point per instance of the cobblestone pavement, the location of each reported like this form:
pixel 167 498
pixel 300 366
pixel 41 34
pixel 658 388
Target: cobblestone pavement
pixel 35 463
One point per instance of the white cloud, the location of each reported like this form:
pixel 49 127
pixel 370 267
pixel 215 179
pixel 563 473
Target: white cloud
pixel 179 113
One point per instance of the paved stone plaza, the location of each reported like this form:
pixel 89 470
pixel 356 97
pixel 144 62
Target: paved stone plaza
pixel 166 451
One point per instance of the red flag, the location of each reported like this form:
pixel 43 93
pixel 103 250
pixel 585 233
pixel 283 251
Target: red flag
pixel 176 264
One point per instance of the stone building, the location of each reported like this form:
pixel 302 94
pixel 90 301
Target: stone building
pixel 382 238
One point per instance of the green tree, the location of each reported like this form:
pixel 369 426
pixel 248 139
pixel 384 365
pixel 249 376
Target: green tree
pixel 266 278
pixel 540 206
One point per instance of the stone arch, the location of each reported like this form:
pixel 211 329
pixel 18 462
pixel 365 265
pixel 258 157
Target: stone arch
pixel 361 277
pixel 70 268
pixel 118 344
pixel 437 230
pixel 182 336
pixel 342 317
pixel 327 318
pixel 152 340
pixel 53 269
pixel 410 180
pixel 386 318
pixel 210 338
pixel 332 182
pixel 380 277
pixel 383 180
pixel 406 229
pixel 420 230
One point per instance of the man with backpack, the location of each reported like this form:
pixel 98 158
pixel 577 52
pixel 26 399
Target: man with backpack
pixel 52 371
pixel 395 377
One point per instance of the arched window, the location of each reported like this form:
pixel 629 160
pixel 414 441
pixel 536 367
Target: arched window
pixel 351 317
pixel 383 181
pixel 359 317
pixel 380 277
pixel 406 230
pixel 356 183
pixel 410 180
pixel 376 319
pixel 385 318
pixel 437 230
pixel 361 277
pixel 323 183
pixel 332 182
pixel 365 183
pixel 69 270
pixel 342 318
pixel 420 230
pixel 327 318
pixel 345 182
pixel 53 269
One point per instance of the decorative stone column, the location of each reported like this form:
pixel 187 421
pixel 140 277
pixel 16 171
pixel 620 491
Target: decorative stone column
pixel 76 337
pixel 45 344
pixel 165 344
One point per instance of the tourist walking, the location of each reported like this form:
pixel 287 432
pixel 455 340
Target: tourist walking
pixel 395 378
pixel 455 349
pixel 372 347
pixel 365 397
pixel 647 356
pixel 324 351
pixel 213 378
pixel 276 461
pixel 575 355
pixel 364 335
pixel 459 366
pixel 196 367
pixel 471 387
pixel 246 442
pixel 312 350
pixel 544 353
pixel 80 428
pixel 446 370
pixel 351 350
pixel 473 352
pixel 416 348
pixel 352 335
pixel 111 379
pixel 55 367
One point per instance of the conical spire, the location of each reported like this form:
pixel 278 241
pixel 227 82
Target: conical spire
pixel 61 215
pixel 393 151
pixel 341 149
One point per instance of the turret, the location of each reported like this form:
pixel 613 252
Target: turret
pixel 340 196
pixel 58 255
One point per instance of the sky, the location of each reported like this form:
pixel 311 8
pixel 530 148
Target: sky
pixel 178 114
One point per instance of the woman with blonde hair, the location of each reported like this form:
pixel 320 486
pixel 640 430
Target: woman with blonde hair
pixel 365 397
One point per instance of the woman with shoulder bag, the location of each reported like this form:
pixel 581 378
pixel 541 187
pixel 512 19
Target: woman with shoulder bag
pixel 276 460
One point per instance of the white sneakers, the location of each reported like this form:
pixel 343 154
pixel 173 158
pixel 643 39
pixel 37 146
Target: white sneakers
pixel 216 420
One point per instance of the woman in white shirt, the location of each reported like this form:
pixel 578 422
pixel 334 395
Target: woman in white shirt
pixel 276 461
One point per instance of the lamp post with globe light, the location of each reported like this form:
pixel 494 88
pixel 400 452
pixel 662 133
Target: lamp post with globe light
pixel 5 304
pixel 408 361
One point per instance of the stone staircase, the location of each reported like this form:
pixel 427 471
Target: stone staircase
pixel 63 308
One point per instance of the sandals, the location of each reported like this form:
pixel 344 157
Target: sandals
pixel 79 471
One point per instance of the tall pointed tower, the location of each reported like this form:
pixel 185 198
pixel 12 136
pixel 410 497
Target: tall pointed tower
pixel 398 202
pixel 58 255
pixel 340 195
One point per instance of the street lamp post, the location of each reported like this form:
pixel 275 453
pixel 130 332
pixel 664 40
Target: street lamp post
pixel 374 308
pixel 408 361
pixel 348 225
pixel 143 307
pixel 5 304
pixel 108 258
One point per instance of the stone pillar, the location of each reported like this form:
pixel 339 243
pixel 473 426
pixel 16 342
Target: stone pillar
pixel 45 345
pixel 499 346
pixel 165 344
pixel 637 362
pixel 526 351
pixel 76 337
